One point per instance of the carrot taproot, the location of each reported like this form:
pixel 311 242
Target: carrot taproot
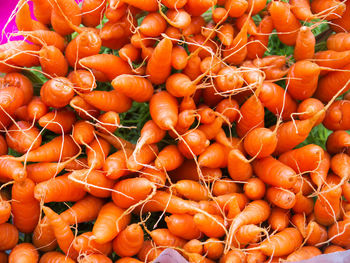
pixel 147 5
pixel 228 79
pixel 305 44
pixel 97 152
pixel 194 142
pixel 308 108
pixel 140 158
pixel 43 236
pixel 260 142
pixel 315 234
pixel 194 246
pixel 340 164
pixel 330 59
pixel 96 258
pixel 159 65
pixel 9 236
pixel 213 248
pixel 23 20
pixel 59 122
pixel 169 158
pixel 109 223
pixel 129 241
pixel 304 253
pixel 12 169
pixel 183 226
pixel 302 10
pixel 115 164
pixel 191 190
pixel 338 142
pixel 63 233
pixel 53 62
pixel 20 81
pixel 128 260
pixel 5 211
pixel 236 8
pixel 65 14
pixel 178 58
pixel 149 251
pixel 110 65
pixel 92 12
pixel 109 122
pixel 213 226
pixel 254 188
pixel 84 110
pixel 36 108
pixel 117 142
pixel 108 100
pixel 303 204
pixel 84 244
pixel 337 116
pixel 53 256
pixel 229 109
pixel 196 8
pixel 328 9
pixel 279 219
pixel 280 197
pixel 12 98
pixel 158 177
pixel 59 189
pixel 214 156
pixel 57 92
pixel 137 88
pixel 238 166
pixel 24 252
pixel 256 5
pixel 42 11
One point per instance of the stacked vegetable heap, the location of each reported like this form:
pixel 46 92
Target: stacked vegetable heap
pixel 214 127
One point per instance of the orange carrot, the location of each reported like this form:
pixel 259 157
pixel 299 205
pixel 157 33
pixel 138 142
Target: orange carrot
pixel 305 43
pixel 92 12
pixel 279 219
pixel 12 169
pixel 129 241
pixel 8 236
pixel 254 188
pixel 304 253
pixel 86 245
pixel 302 9
pixel 64 16
pixel 328 9
pixel 169 158
pixel 24 252
pixel 337 116
pixel 97 152
pixel 238 166
pixel 280 197
pixel 54 256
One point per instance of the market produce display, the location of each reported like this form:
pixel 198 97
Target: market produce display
pixel 218 128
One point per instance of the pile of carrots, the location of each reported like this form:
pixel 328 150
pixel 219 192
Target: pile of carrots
pixel 218 172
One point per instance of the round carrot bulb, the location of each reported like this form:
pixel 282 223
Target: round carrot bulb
pixel 93 181
pixel 3 257
pixel 111 66
pixel 302 10
pixel 337 116
pixel 193 142
pixel 23 20
pixel 219 14
pixel 180 85
pixel 158 177
pixel 228 108
pixel 254 188
pixel 210 226
pixel 304 253
pixel 97 153
pixel 248 234
pixel 53 62
pixel 43 236
pixel 130 191
pixel 95 258
pixel 42 11
pixel 163 237
pixel 60 122
pixel 46 38
pixel 225 34
pixel 109 223
pixel 341 24
pixel 196 9
pixel 129 53
pixel 83 80
pixel 144 156
pixel 183 226
pixel 12 98
pixel 280 197
pixel 214 156
pixel 260 142
pixel 109 122
pixel 279 219
pixel 332 249
pixel 164 110
pixel 25 208
pixel 305 44
pixel 20 81
pixel 92 12
pixel 236 8
pixel 303 204
pixel 5 211
pixel 239 167
pixel 338 142
pixel 36 108
pixel 8 236
pixel 108 100
pixel 213 248
pixel 57 92
pixel 274 172
pixel 22 136
pixel 227 186
pixel 303 159
pixel 288 31
pixel 3 146
pixel 308 108
pixel 149 251
pixel 129 241
pixel 229 79
pixel 83 132
pixel 53 256
pixel 339 42
pixel 169 158
pixel 86 245
pixel 303 79
pixel 194 246
pixel 315 233
pixel 153 25
pixel 135 87
pixel 331 59
pixel 24 252
pixel 12 169
pixel 328 9
pixel 179 58
pixel 252 116
pixel 59 148
pixel 58 189
pixel 211 130
pixel 340 165
pixel 191 190
pixel 128 260
pixel 65 14
pixel 283 243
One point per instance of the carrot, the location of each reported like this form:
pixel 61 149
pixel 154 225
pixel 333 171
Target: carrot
pixel 192 68
pixel 97 153
pixel 222 187
pixel 115 164
pixel 84 244
pixel 130 191
pixel 87 43
pixel 309 107
pixel 42 11
pixel 214 156
pixel 110 65
pixel 213 248
pixel 116 142
pixel 302 9
pixel 36 108
pixel 128 260
pixel 340 24
pixel 94 182
pixel 3 257
pixel 57 92
pixel 236 8
pixel 159 64
pixel 239 167
pixel 315 234
pixel 340 164
pixel 229 109
pixel 59 189
pixel 24 252
pixel 332 249
pixel 5 211
pixel 59 148
pixel 304 253
pixel 12 99
pixel 59 122
pixel 318 177
pixel 96 258
pixel 180 85
pixel 337 116
pixel 274 172
pixel 46 38
pixel 83 132
pixel 169 158
pixel 328 9
pixel 332 83
pixel 83 80
pixel 193 142
pixel 109 223
pixel 54 256
pixel 22 136
pixel 129 241
pixel 331 59
pixel 20 81
pixel 92 12
pixel 273 66
pixel 338 42
pixel 194 246
pixel 44 237
pixel 65 14
pixel 3 146
pixel 63 233
pixel 254 213
pixel 147 5
pixel 191 190
pixel 8 236
pixel 174 3
pixel 173 33
pixel 254 188
pixel 288 31
pixel 338 142
pixel 260 142
pixel 235 255
pixel 303 185
pixel 12 169
pixel 84 109
pixel 53 62
pixel 183 226
pixel 279 219
pixel 303 204
pixel 23 20
pixel 25 208
pixel 257 45
pixel 139 159
pixel 247 234
pixel 108 100
pixel 129 53
pixel 280 197
pixel 303 159
pixel 149 251
pixel 228 79
pixel 153 25
pixel 178 58
pixel 256 5
pixel 252 116
pixel 303 79
pixel 197 8
pixel 158 177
